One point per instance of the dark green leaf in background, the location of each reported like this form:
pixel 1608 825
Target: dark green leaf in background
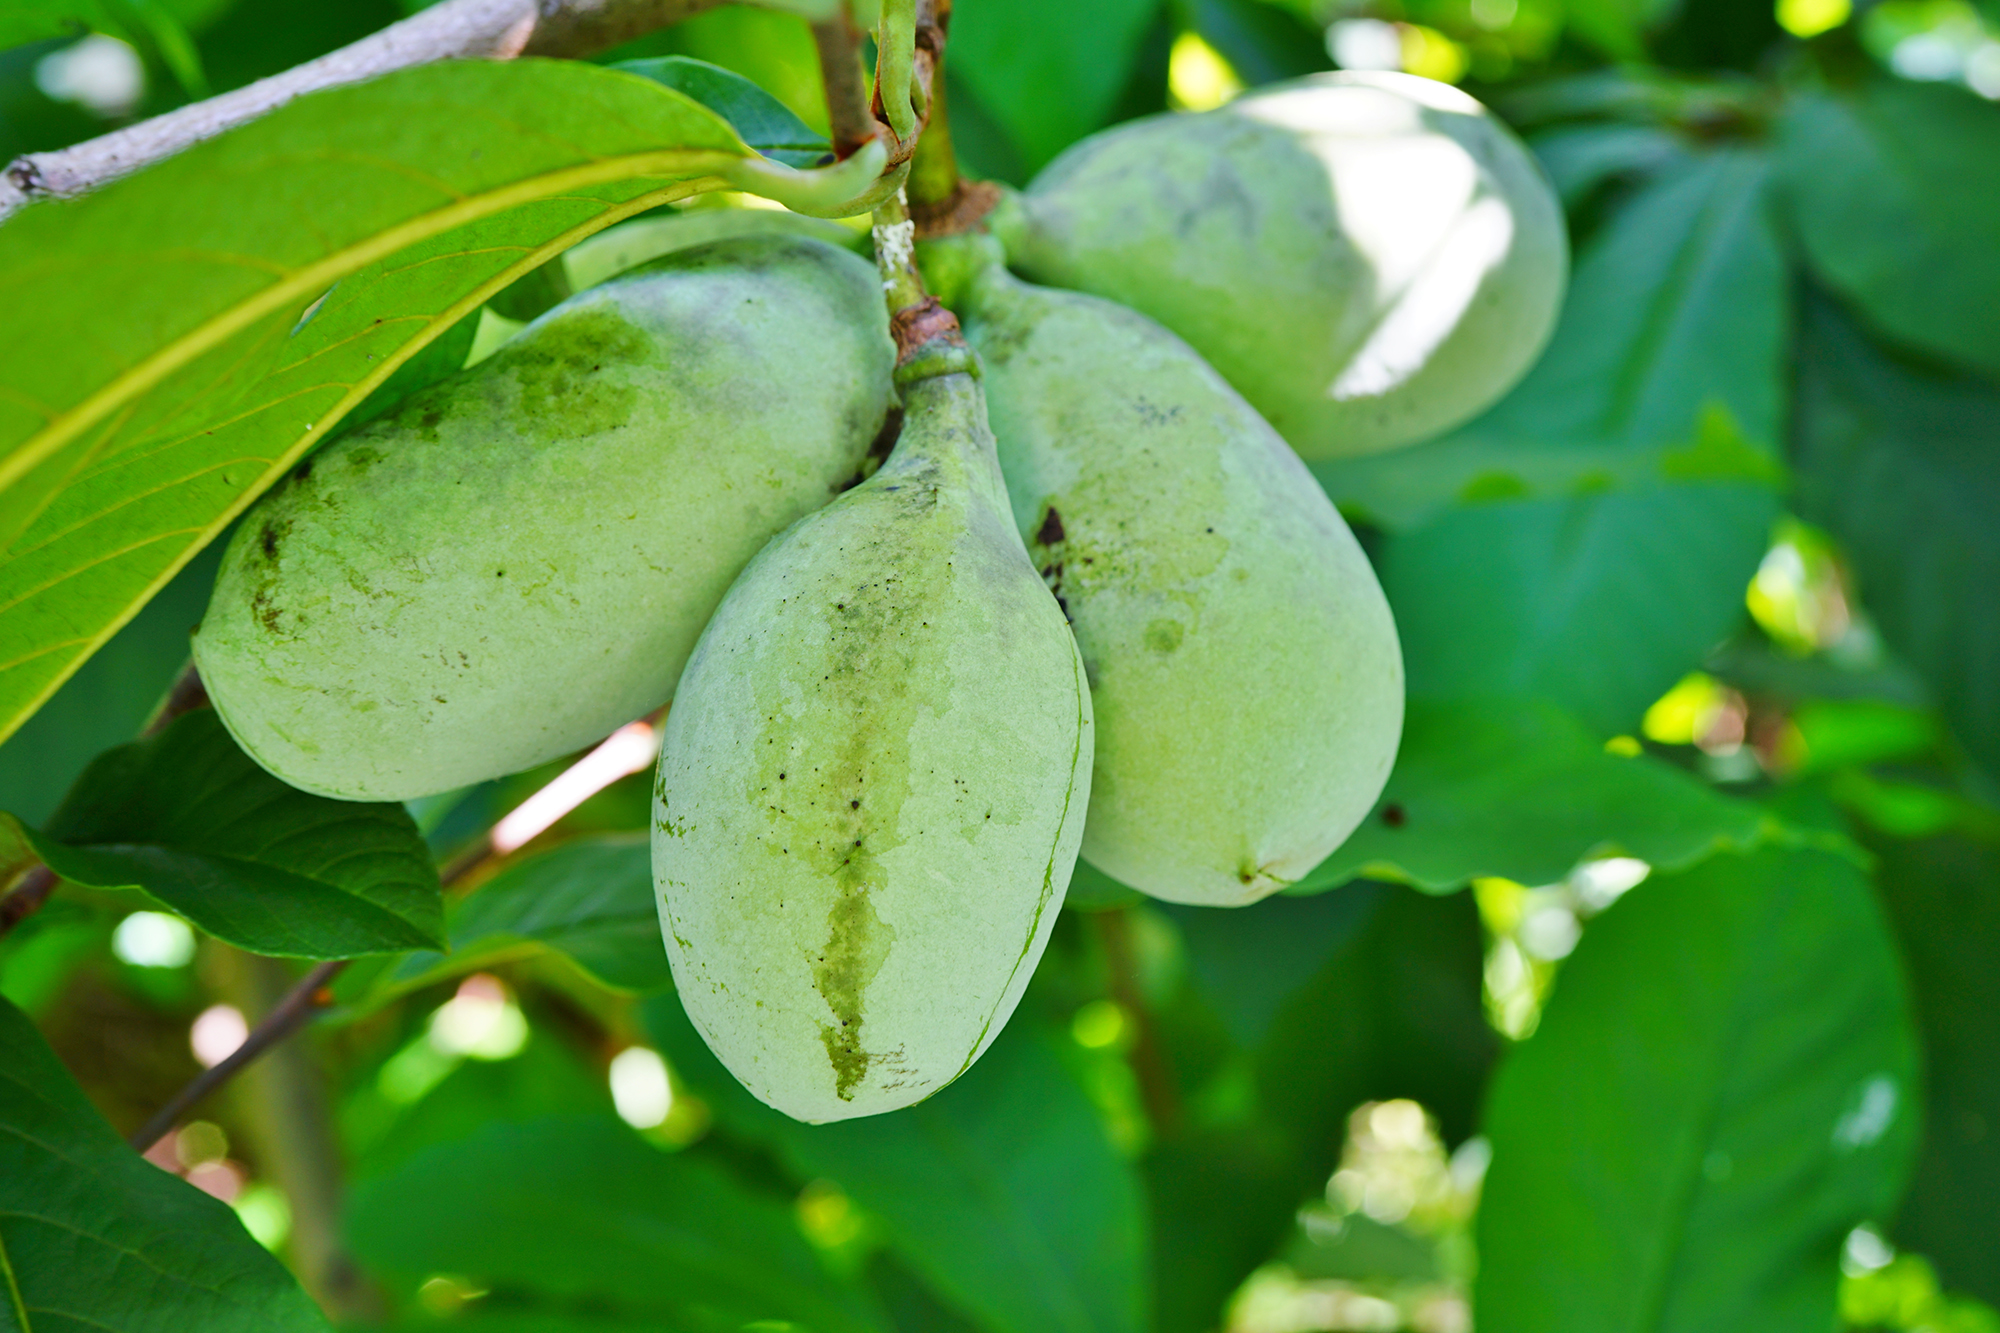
pixel 126 444
pixel 1722 1085
pixel 1943 900
pixel 1902 464
pixel 1263 42
pixel 583 1213
pixel 1003 1191
pixel 1581 158
pixel 766 124
pixel 1616 27
pixel 1049 71
pixel 1611 510
pixel 591 900
pixel 109 698
pixel 1895 193
pixel 93 1236
pixel 1524 791
pixel 191 819
pixel 1250 960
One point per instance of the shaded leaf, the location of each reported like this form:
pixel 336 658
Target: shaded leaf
pixel 583 1212
pixel 93 1236
pixel 1262 42
pixel 766 124
pixel 173 345
pixel 192 820
pixel 1580 158
pixel 1665 367
pixel 591 900
pixel 1895 193
pixel 1003 1191
pixel 1249 961
pixel 1940 898
pixel 1722 1085
pixel 1523 791
pixel 1903 466
pixel 1616 27
pixel 1048 71
pixel 109 699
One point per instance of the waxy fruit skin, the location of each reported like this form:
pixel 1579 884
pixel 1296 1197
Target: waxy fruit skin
pixel 515 562
pixel 1243 662
pixel 872 783
pixel 1370 258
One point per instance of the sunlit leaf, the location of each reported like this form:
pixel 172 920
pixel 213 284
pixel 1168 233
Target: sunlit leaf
pixel 1902 464
pixel 965 1183
pixel 1723 1084
pixel 1895 192
pixel 582 1211
pixel 591 900
pixel 189 818
pixel 1522 791
pixel 179 338
pixel 93 1236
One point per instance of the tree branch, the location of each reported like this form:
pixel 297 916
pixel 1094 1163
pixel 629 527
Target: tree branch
pixel 838 42
pixel 453 30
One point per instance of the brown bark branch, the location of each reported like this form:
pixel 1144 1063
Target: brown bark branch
pixel 838 42
pixel 453 30
pixel 1149 1062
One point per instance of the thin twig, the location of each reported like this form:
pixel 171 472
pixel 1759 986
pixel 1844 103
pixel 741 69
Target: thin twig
pixel 838 42
pixel 298 1007
pixel 185 695
pixel 453 30
pixel 25 901
pixel 1149 1063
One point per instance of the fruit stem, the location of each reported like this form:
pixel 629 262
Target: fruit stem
pixel 933 184
pixel 928 341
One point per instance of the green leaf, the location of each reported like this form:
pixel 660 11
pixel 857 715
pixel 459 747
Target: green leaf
pixel 1589 539
pixel 591 900
pixel 1940 897
pixel 1251 960
pixel 1723 1084
pixel 93 1236
pixel 109 699
pixel 1049 71
pixel 189 818
pixel 1672 339
pixel 1522 790
pixel 1616 27
pixel 1263 42
pixel 1582 158
pixel 766 124
pixel 584 1212
pixel 179 338
pixel 1003 1191
pixel 1902 464
pixel 1895 193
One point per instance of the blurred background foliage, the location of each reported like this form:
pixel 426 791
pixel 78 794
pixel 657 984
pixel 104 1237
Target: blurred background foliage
pixel 1704 613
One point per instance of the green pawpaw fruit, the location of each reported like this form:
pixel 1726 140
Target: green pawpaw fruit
pixel 518 560
pixel 1243 662
pixel 873 781
pixel 1370 258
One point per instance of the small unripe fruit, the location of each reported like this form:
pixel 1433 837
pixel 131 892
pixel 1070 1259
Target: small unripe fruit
pixel 872 783
pixel 1369 258
pixel 1243 663
pixel 518 560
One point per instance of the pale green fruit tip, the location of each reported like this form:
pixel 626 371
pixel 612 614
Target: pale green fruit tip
pixel 1243 663
pixel 1369 258
pixel 872 784
pixel 517 561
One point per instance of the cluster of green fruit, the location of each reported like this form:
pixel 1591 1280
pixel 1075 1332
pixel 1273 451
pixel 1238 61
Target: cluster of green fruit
pixel 888 741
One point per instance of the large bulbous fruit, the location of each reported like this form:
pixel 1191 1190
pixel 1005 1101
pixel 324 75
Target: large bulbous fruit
pixel 873 781
pixel 1243 663
pixel 520 559
pixel 1369 258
